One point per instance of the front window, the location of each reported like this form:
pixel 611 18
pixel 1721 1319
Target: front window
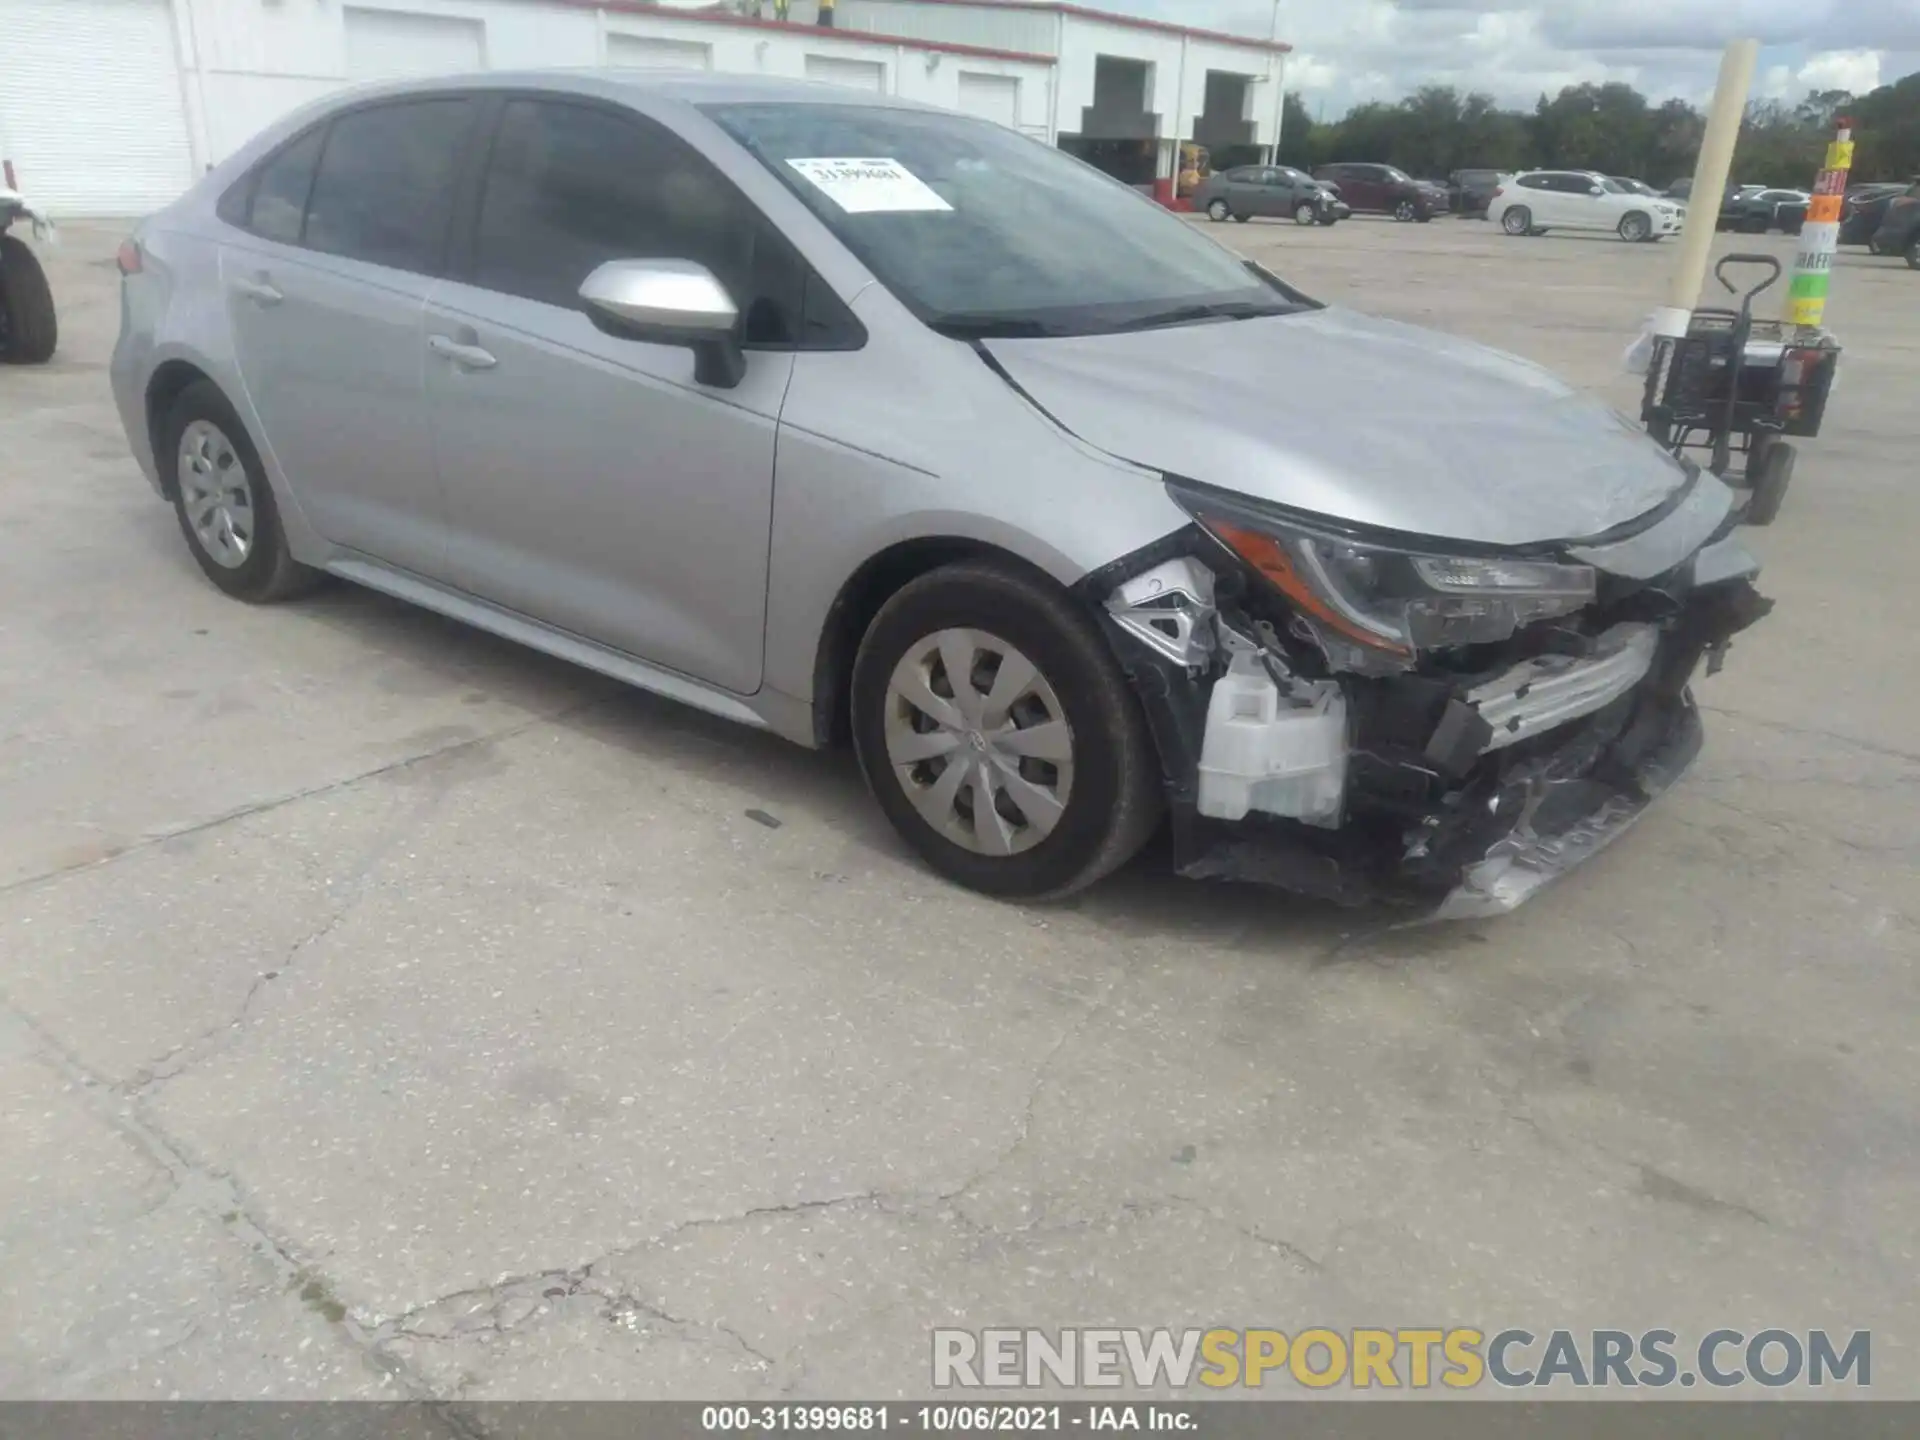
pixel 1398 177
pixel 1614 187
pixel 982 232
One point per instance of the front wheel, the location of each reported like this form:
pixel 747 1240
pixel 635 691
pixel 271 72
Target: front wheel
pixel 1218 212
pixel 1913 254
pixel 1518 220
pixel 29 329
pixel 1305 213
pixel 999 735
pixel 1406 211
pixel 1635 227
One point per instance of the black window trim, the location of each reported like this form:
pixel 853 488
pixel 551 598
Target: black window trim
pixel 469 194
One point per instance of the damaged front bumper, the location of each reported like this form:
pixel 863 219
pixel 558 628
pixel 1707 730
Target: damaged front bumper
pixel 1459 794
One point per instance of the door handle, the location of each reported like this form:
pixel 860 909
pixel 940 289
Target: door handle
pixel 258 291
pixel 467 357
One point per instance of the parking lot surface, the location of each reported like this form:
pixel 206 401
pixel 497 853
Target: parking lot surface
pixel 392 1011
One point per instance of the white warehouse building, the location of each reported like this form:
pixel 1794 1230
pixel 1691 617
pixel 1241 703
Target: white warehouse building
pixel 112 107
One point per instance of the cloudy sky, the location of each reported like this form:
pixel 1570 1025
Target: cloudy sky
pixel 1352 50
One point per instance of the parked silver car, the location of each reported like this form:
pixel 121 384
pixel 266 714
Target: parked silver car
pixel 846 417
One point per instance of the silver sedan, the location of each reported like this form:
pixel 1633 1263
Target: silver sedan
pixel 854 419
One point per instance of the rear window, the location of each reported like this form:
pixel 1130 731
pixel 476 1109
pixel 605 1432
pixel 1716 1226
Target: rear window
pixel 384 189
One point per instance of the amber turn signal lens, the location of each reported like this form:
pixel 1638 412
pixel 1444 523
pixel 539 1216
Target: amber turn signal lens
pixel 1268 556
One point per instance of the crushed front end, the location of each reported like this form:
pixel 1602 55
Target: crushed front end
pixel 1371 717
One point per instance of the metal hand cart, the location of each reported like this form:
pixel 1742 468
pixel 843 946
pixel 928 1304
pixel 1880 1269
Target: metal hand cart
pixel 1735 387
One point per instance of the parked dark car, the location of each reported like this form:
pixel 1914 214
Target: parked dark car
pixel 1754 210
pixel 1899 232
pixel 1862 211
pixel 1681 189
pixel 1385 190
pixel 1866 207
pixel 1471 191
pixel 1279 190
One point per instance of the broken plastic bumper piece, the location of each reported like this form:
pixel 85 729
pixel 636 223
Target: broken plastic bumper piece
pixel 1565 821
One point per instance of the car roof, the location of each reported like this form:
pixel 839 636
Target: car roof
pixel 684 86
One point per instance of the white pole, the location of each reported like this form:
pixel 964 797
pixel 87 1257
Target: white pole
pixel 1279 64
pixel 1709 185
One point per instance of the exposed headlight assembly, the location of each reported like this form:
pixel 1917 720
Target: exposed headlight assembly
pixel 1382 602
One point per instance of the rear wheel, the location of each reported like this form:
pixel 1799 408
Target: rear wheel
pixel 1218 211
pixel 1635 227
pixel 223 501
pixel 999 735
pixel 29 329
pixel 1518 220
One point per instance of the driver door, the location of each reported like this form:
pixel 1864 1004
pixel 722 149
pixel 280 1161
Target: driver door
pixel 592 482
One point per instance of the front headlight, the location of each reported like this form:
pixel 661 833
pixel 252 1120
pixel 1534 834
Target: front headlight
pixel 1393 600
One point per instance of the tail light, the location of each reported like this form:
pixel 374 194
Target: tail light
pixel 129 259
pixel 6 168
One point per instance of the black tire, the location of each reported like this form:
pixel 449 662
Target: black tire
pixel 29 329
pixel 1116 797
pixel 1406 212
pixel 1217 211
pixel 1913 254
pixel 1517 220
pixel 1635 226
pixel 1770 472
pixel 269 573
pixel 1305 213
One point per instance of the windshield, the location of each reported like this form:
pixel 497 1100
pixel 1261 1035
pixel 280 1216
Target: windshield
pixel 983 232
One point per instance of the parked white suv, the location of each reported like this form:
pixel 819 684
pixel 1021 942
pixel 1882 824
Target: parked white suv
pixel 1543 200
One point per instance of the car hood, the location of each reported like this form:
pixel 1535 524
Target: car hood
pixel 1358 419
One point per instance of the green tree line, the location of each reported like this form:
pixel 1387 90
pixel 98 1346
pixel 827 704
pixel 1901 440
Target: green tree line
pixel 1614 129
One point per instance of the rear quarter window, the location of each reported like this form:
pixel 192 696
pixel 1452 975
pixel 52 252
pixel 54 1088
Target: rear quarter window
pixel 279 202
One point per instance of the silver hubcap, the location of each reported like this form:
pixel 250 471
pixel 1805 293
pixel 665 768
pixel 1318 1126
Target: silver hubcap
pixel 979 742
pixel 216 494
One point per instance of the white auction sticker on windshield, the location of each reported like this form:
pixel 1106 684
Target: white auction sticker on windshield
pixel 871 186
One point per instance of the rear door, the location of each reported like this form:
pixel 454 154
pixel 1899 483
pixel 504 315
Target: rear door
pixel 344 231
pixel 1534 191
pixel 1276 195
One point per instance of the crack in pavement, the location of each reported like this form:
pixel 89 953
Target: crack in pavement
pixel 262 807
pixel 216 1193
pixel 1041 1074
pixel 1787 727
pixel 219 1037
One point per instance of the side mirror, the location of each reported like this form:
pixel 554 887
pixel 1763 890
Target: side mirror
pixel 670 302
pixel 1597 190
